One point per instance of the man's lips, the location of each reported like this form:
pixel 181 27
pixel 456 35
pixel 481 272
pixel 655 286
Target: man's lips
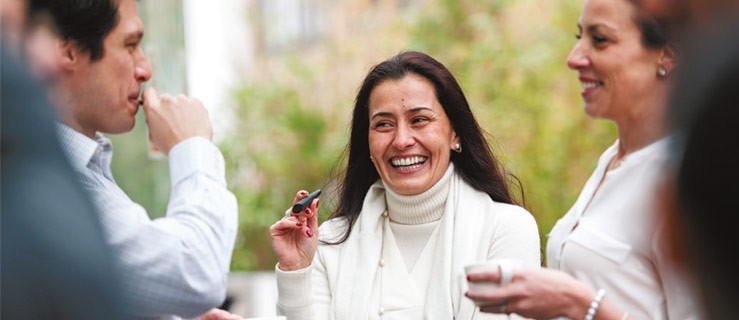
pixel 136 100
pixel 134 104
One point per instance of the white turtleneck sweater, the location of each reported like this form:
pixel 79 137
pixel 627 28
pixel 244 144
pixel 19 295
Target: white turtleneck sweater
pixel 386 267
pixel 413 219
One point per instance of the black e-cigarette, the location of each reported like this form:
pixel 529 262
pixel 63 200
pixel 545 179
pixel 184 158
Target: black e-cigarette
pixel 300 205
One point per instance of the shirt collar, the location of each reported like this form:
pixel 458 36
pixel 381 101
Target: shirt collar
pixel 79 148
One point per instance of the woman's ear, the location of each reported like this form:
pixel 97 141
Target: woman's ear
pixel 667 59
pixel 456 142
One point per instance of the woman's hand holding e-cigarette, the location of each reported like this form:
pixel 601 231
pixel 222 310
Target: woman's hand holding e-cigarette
pixel 295 236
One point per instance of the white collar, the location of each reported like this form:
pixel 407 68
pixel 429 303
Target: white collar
pixel 78 147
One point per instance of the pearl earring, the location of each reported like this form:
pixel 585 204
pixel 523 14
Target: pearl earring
pixel 662 71
pixel 458 147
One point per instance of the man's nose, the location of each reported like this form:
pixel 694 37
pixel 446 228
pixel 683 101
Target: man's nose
pixel 142 69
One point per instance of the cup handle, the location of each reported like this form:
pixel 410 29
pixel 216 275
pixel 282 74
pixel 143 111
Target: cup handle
pixel 506 273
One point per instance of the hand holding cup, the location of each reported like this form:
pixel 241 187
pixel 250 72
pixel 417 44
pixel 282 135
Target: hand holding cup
pixel 490 275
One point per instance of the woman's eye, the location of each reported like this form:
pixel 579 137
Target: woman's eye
pixel 419 120
pixel 599 39
pixel 381 124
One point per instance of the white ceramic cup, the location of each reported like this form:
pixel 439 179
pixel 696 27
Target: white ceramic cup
pixel 504 266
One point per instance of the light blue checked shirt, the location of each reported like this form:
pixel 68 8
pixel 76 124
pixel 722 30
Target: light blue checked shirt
pixel 173 266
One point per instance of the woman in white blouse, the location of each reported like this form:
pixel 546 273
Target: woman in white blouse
pixel 422 196
pixel 604 256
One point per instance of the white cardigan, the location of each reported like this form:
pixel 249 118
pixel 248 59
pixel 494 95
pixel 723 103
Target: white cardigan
pixel 342 278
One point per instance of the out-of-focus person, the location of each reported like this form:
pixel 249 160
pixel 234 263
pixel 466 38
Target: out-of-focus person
pixel 700 200
pixel 697 12
pixel 55 262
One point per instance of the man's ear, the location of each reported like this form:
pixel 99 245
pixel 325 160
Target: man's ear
pixel 68 55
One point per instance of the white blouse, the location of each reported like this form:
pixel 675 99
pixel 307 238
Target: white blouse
pixel 610 239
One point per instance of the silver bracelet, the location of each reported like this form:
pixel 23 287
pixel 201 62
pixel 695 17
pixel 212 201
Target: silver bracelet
pixel 625 316
pixel 595 304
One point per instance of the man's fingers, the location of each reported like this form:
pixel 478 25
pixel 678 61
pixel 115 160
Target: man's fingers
pixel 151 97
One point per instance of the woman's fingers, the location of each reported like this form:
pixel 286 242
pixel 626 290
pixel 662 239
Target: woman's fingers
pixel 312 219
pixel 308 218
pixel 489 297
pixel 285 225
pixel 486 276
pixel 300 195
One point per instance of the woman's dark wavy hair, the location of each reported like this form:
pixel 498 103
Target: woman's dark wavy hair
pixel 85 22
pixel 476 164
pixel 657 33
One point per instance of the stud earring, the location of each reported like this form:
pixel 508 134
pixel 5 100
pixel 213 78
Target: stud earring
pixel 662 71
pixel 458 148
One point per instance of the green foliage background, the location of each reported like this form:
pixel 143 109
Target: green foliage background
pixel 509 56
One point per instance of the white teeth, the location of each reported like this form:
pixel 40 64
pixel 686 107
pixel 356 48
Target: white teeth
pixel 588 85
pixel 408 161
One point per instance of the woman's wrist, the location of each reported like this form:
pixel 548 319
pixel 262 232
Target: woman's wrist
pixel 595 304
pixel 292 267
pixel 581 299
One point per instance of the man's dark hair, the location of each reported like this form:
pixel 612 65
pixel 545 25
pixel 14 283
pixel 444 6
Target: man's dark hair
pixel 86 22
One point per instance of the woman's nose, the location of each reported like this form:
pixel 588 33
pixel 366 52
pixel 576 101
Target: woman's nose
pixel 577 58
pixel 404 138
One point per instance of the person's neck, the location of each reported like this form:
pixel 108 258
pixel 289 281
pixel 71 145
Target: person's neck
pixel 635 138
pixel 65 106
pixel 639 131
pixel 74 125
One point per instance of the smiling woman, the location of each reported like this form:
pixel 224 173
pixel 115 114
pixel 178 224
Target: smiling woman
pixel 426 196
pixel 605 254
pixel 410 135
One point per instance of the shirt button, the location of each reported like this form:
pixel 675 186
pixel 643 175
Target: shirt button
pixel 382 310
pixel 382 263
pixel 384 214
